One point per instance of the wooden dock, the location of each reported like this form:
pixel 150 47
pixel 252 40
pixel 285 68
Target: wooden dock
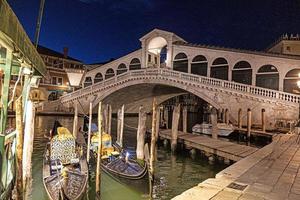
pixel 271 173
pixel 225 149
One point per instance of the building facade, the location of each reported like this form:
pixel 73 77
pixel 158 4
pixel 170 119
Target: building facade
pixel 57 83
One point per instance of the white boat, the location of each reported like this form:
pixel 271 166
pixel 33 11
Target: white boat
pixel 205 128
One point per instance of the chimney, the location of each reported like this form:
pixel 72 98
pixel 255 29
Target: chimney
pixel 65 51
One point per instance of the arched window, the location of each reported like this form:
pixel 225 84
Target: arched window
pixel 290 81
pixel 268 77
pixel 88 81
pixel 199 65
pixel 109 73
pixel 219 69
pixel 180 63
pixel 242 72
pixel 98 78
pixel 121 69
pixel 135 64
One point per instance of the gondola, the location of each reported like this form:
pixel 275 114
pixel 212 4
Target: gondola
pixel 116 161
pixel 65 169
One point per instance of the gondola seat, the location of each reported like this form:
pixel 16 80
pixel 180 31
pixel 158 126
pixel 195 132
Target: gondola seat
pixel 63 147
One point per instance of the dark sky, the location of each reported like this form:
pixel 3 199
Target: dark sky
pixel 97 30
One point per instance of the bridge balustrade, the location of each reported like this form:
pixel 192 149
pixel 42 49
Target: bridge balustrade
pixel 194 79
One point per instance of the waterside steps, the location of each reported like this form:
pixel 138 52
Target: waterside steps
pixel 270 173
pixel 225 149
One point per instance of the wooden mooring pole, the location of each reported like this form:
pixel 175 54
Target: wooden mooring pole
pixel 120 127
pixel 166 117
pixel 184 119
pixel 249 123
pixel 263 120
pixel 175 123
pixel 75 122
pixel 140 137
pixel 157 123
pixel 109 112
pixel 214 123
pixel 152 146
pixel 20 136
pixel 98 169
pixel 90 132
pixel 226 116
pixel 28 148
pixel 240 118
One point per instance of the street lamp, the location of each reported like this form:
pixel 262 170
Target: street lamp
pixel 75 76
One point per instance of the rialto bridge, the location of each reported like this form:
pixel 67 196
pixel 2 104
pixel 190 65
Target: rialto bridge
pixel 168 66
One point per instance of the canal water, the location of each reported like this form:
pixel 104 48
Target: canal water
pixel 173 173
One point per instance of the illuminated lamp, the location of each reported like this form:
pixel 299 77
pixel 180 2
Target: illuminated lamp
pixel 75 76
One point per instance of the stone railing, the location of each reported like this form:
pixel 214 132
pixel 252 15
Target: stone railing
pixel 169 74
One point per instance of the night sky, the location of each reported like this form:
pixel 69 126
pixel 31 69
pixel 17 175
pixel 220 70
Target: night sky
pixel 97 30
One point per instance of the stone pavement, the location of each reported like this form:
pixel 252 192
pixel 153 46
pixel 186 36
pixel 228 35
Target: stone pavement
pixel 271 173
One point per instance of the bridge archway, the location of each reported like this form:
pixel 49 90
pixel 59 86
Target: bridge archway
pixel 109 73
pixel 290 81
pixel 199 65
pixel 140 91
pixel 242 72
pixel 268 77
pixel 135 64
pixel 156 51
pixel 98 78
pixel 219 69
pixel 181 63
pixel 121 69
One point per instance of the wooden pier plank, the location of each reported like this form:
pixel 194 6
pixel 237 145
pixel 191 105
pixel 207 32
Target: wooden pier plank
pixel 217 147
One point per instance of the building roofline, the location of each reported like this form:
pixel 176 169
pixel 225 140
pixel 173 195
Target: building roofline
pixel 261 53
pixel 50 52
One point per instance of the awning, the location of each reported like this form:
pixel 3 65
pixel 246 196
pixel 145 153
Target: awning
pixel 12 32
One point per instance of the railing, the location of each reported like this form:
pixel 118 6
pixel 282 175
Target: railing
pixel 190 78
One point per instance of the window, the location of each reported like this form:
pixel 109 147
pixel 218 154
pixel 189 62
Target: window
pixel 109 73
pixel 219 69
pixel 180 62
pixel 54 80
pixel 242 73
pixel 149 58
pixel 268 77
pixel 88 81
pixel 199 65
pixel 135 64
pixel 290 81
pixel 121 69
pixel 59 81
pixel 98 78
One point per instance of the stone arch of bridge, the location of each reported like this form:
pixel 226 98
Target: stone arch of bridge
pixel 185 88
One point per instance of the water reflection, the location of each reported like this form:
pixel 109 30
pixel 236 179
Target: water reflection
pixel 173 173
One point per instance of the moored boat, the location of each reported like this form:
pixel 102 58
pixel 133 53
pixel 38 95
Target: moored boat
pixel 65 169
pixel 116 161
pixel 206 128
